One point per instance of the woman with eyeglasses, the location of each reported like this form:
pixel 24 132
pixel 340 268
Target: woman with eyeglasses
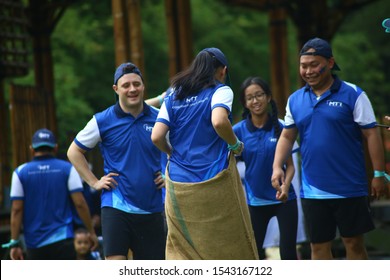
pixel 260 130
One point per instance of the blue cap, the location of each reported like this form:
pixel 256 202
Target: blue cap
pixel 43 137
pixel 218 54
pixel 321 47
pixel 126 68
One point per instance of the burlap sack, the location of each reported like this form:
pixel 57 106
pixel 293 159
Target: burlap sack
pixel 209 220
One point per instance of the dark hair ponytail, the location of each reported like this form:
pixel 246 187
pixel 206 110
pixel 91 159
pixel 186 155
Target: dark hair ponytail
pixel 199 75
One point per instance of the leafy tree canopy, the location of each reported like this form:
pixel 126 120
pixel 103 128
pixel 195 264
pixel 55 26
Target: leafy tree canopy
pixel 83 53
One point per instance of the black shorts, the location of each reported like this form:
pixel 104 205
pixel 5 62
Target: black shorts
pixel 350 216
pixel 61 250
pixel 144 234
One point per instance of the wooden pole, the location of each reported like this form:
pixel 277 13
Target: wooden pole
pixel 5 151
pixel 41 19
pixel 280 82
pixel 135 34
pixel 121 40
pixel 128 33
pixel 178 14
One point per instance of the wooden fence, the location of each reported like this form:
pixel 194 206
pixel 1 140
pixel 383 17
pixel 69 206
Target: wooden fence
pixel 28 113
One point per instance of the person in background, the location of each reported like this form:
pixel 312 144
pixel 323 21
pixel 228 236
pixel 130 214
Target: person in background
pixel 131 200
pixel 82 245
pixel 332 118
pixel 92 197
pixel 205 205
pixel 260 130
pixel 42 192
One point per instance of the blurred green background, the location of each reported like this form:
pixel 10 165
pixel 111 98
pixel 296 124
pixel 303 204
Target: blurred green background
pixel 84 58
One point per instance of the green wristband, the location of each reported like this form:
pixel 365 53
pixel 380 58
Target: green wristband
pixel 11 244
pixel 160 99
pixel 235 146
pixel 378 174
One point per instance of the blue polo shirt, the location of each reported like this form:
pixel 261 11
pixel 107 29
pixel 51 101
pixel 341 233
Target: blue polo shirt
pixel 127 149
pixel 331 141
pixel 45 185
pixel 198 152
pixel 258 155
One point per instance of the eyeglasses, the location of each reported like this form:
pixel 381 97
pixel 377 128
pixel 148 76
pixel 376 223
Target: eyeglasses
pixel 258 96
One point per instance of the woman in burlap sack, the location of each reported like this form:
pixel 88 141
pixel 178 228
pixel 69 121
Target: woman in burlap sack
pixel 205 205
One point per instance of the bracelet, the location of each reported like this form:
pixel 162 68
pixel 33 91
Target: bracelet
pixel 378 174
pixel 11 244
pixel 235 146
pixel 160 99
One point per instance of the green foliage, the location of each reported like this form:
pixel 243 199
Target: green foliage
pixel 365 71
pixel 83 40
pixel 73 111
pixel 72 114
pixel 84 60
pixel 362 49
pixel 242 34
pixel 155 43
pixel 233 30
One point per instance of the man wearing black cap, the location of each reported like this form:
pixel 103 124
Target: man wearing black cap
pixel 42 192
pixel 131 199
pixel 332 118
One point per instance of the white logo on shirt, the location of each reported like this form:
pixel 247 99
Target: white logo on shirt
pixel 272 139
pixel 334 103
pixel 148 128
pixel 191 99
pixel 43 167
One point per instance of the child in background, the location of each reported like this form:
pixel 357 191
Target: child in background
pixel 82 246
